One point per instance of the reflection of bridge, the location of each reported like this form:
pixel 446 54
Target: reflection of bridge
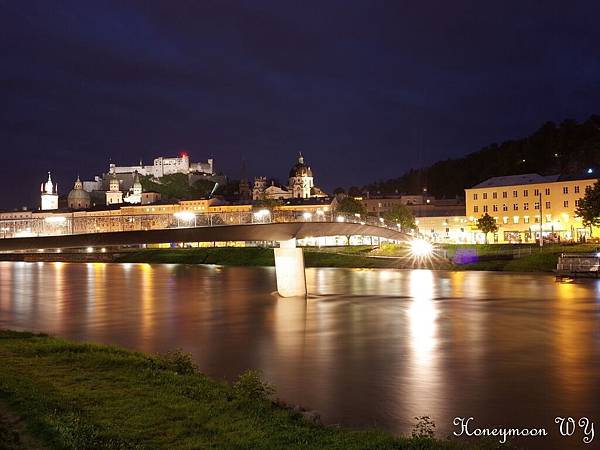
pixel 289 260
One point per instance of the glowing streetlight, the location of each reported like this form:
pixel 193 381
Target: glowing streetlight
pixel 307 216
pixel 420 248
pixel 185 216
pixel 340 218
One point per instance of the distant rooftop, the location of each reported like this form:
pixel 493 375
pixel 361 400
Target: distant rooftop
pixel 510 180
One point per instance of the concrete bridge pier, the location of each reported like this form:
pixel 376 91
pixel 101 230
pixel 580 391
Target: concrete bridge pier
pixel 289 269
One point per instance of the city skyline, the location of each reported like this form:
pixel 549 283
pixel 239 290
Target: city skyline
pixel 370 90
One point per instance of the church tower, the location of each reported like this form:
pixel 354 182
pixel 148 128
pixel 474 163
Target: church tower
pixel 301 179
pixel 114 195
pixel 49 194
pixel 135 193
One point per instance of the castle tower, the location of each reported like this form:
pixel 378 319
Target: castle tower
pixel 49 195
pixel 301 179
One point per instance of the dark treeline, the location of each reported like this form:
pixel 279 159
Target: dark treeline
pixel 570 147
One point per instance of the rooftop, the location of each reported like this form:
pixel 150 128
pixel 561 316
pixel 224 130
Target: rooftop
pixel 511 180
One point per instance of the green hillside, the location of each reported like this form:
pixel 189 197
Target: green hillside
pixel 569 147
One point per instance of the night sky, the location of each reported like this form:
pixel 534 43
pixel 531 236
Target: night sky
pixel 366 89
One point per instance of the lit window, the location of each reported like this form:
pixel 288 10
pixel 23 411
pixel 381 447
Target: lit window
pixel 516 219
pixel 526 219
pixel 505 219
pixel 548 218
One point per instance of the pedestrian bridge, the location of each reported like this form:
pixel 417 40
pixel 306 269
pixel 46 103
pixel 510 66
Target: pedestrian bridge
pixel 289 260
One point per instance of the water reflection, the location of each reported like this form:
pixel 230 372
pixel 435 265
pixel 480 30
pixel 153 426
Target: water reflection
pixel 369 347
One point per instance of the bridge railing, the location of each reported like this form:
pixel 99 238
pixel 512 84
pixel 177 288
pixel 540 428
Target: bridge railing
pixel 55 225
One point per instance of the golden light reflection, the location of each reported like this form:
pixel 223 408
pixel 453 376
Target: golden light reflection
pixel 422 314
pixel 147 297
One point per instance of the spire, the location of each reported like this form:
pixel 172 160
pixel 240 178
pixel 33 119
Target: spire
pixel 300 158
pixel 78 183
pixel 48 187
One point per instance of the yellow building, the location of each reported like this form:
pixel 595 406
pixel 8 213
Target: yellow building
pixel 524 205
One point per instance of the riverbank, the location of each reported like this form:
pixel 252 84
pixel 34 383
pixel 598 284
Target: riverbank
pixel 505 257
pixel 62 394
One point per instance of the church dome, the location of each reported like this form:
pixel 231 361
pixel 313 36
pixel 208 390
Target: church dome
pixel 300 169
pixel 78 198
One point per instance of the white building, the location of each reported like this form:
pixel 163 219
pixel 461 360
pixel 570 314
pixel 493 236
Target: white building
pixel 300 185
pixel 301 179
pixel 167 166
pixel 114 195
pixel 135 193
pixel 49 195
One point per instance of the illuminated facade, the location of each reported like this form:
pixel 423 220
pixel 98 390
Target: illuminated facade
pixel 114 196
pixel 167 166
pixel 525 205
pixel 49 195
pixel 300 185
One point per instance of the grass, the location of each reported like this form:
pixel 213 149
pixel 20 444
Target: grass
pixel 499 257
pixel 257 256
pixel 72 396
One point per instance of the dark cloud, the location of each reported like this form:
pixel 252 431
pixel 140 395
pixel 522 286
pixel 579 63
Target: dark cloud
pixel 366 89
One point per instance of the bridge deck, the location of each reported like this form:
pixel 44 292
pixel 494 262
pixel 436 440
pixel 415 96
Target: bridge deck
pixel 247 232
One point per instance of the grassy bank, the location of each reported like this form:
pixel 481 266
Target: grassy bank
pixel 255 256
pixel 60 394
pixel 514 258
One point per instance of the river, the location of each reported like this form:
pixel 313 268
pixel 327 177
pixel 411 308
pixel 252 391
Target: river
pixel 369 347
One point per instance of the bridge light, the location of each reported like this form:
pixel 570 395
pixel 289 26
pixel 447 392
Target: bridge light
pixel 185 215
pixel 55 219
pixel 420 248
pixel 340 218
pixel 89 249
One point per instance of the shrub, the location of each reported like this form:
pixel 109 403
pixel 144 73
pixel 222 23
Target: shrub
pixel 178 361
pixel 250 388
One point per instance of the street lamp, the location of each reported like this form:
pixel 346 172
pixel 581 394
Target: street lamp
pixel 307 216
pixel 185 216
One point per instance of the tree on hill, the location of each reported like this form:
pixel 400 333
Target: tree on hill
pixel 487 224
pixel 568 147
pixel 176 186
pixel 401 215
pixel 589 207
pixel 349 205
